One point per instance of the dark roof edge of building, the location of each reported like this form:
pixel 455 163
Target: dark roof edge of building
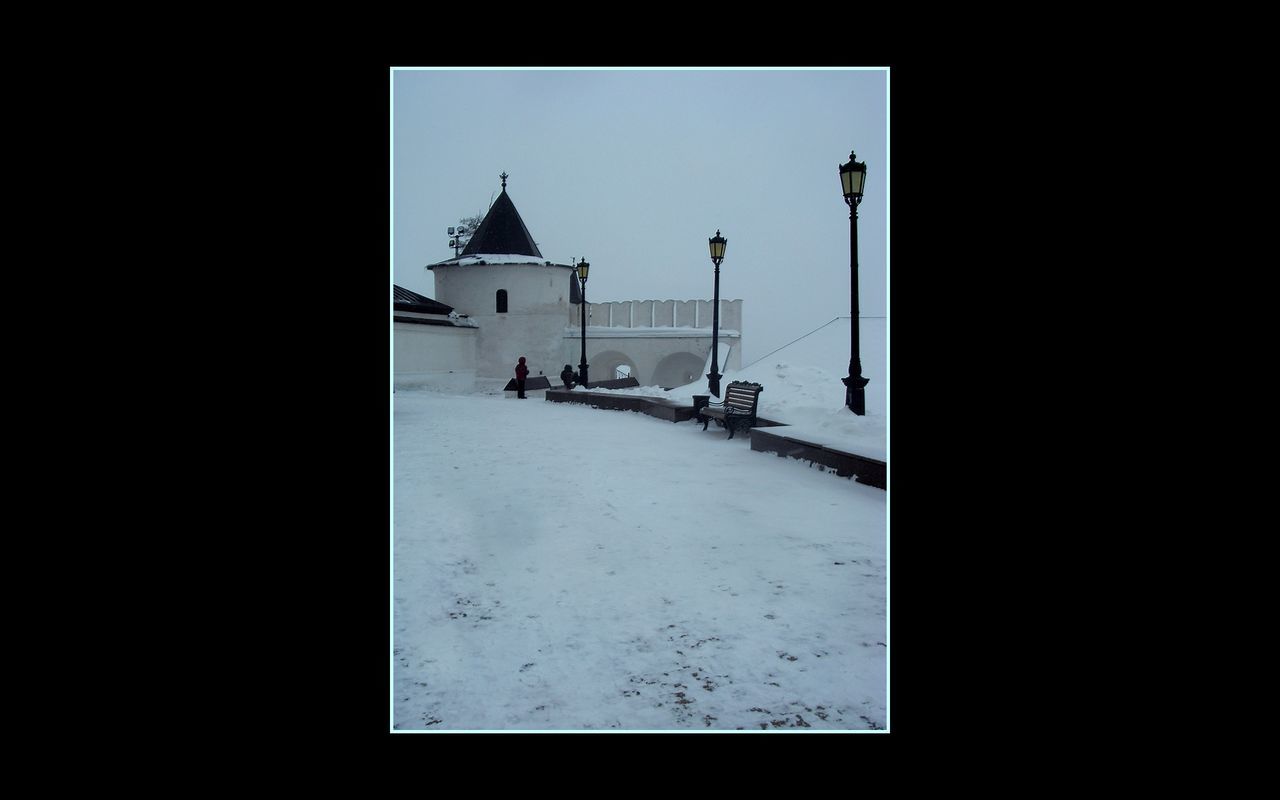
pixel 481 260
pixel 421 321
pixel 405 300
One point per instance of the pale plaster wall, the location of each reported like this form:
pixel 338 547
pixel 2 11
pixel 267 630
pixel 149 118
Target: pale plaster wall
pixel 685 317
pixel 663 314
pixel 704 314
pixel 642 313
pixel 731 314
pixel 660 313
pixel 434 355
pixel 533 326
pixel 678 369
pixel 621 314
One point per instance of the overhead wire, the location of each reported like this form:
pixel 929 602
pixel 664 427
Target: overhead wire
pixel 810 333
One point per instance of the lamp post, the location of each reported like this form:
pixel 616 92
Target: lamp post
pixel 853 176
pixel 717 255
pixel 456 242
pixel 582 268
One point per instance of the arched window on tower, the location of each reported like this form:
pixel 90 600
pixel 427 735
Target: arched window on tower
pixel 502 301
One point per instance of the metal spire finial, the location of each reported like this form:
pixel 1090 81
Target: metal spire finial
pixel 504 178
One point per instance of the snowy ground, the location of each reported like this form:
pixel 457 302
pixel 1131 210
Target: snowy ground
pixel 558 567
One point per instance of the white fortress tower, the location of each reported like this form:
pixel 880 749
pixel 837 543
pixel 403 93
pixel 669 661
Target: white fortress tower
pixel 519 299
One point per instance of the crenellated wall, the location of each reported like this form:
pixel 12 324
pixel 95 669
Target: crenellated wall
pixel 686 316
pixel 664 342
pixel 660 314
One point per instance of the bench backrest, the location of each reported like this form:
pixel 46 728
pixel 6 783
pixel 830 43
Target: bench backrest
pixel 531 383
pixel 743 396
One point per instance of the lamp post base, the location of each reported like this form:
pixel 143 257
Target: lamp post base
pixel 713 383
pixel 854 396
pixel 582 373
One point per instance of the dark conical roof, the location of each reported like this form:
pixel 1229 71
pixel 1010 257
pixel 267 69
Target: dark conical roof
pixel 502 232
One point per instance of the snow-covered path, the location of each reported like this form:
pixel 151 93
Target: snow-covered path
pixel 558 567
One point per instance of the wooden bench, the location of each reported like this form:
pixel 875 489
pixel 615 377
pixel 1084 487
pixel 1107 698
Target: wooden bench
pixel 738 411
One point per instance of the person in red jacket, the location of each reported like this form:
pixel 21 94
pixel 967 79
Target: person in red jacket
pixel 522 372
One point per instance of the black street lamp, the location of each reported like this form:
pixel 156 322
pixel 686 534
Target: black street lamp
pixel 582 268
pixel 717 255
pixel 852 178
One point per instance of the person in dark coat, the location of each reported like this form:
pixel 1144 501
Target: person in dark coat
pixel 567 376
pixel 522 372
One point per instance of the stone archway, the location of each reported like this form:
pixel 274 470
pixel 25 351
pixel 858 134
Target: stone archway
pixel 602 366
pixel 678 369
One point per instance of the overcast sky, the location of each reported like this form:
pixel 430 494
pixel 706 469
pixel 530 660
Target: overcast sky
pixel 635 169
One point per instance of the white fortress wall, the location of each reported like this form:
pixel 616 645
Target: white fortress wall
pixel 642 313
pixel 685 313
pixel 620 314
pixel 663 313
pixel 440 356
pixel 659 314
